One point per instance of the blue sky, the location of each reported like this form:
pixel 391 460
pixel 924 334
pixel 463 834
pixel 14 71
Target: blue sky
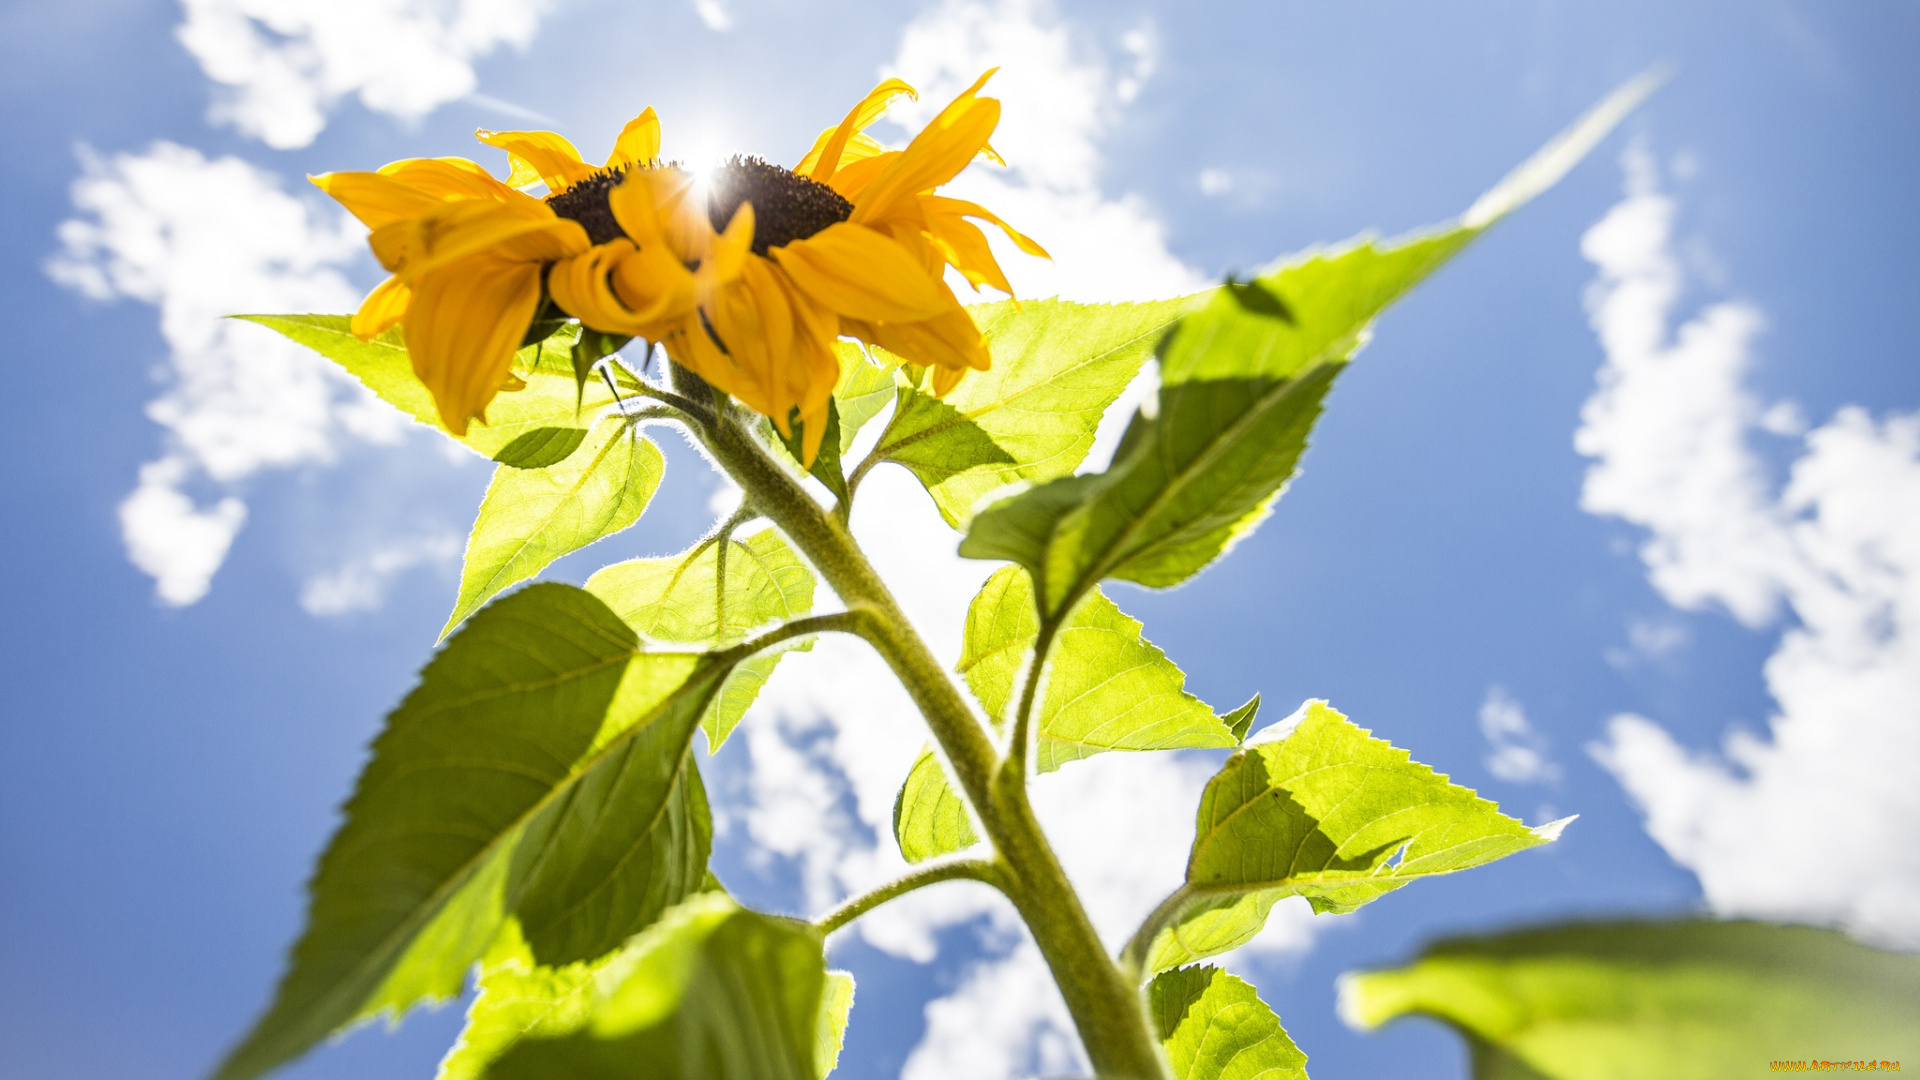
pixel 1730 550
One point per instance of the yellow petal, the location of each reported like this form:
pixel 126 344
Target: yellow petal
pixel 459 230
pixel 821 162
pixel 639 141
pixel 730 251
pixel 862 274
pixel 949 341
pixel 462 329
pixel 855 175
pixel 538 155
pixel 450 178
pixel 376 200
pixel 965 246
pixel 383 307
pixel 654 285
pixel 934 205
pixel 936 155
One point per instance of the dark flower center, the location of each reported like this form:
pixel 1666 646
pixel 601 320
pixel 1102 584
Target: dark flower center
pixel 786 206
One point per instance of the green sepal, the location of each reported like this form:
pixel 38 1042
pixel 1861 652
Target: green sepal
pixel 826 465
pixel 592 346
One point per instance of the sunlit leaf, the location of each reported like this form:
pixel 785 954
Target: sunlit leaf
pixel 1242 381
pixel 864 390
pixel 1329 813
pixel 1106 687
pixel 539 773
pixel 929 819
pixel 1690 1000
pixel 1241 719
pixel 836 1007
pixel 1057 365
pixel 1215 1027
pixel 549 400
pixel 531 517
pixel 711 991
pixel 679 600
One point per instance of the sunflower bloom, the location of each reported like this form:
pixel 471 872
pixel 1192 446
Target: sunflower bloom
pixel 746 276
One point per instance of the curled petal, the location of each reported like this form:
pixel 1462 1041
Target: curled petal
pixel 583 287
pixel 936 155
pixel 639 141
pixel 450 178
pixel 455 231
pixel 462 328
pixel 949 342
pixel 538 155
pixel 828 149
pixel 940 206
pixel 383 307
pixel 862 274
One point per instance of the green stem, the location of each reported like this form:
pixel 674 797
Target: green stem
pixel 969 869
pixel 1133 958
pixel 1107 1007
pixel 1023 720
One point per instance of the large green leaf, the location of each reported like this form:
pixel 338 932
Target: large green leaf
pixel 711 992
pixel 1329 813
pixel 1106 688
pixel 549 400
pixel 714 595
pixel 929 819
pixel 539 773
pixel 1057 365
pixel 1242 381
pixel 1215 1027
pixel 1691 1000
pixel 531 517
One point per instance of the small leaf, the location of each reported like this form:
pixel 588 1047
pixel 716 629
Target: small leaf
pixel 1057 365
pixel 1240 720
pixel 550 398
pixel 531 517
pixel 710 991
pixel 678 600
pixel 1242 381
pixel 541 447
pixel 1215 1027
pixel 866 387
pixel 539 773
pixel 826 464
pixel 1107 688
pixel 1689 1000
pixel 928 818
pixel 1331 814
pixel 836 1006
pixel 518 998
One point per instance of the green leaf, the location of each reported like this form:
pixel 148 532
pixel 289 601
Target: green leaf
pixel 711 991
pixel 1691 1000
pixel 1057 365
pixel 518 998
pixel 550 398
pixel 679 599
pixel 1240 720
pixel 1107 688
pixel 539 773
pixel 1331 814
pixel 590 348
pixel 531 517
pixel 1215 1027
pixel 541 447
pixel 830 1034
pixel 1242 380
pixel 928 818
pixel 826 464
pixel 864 389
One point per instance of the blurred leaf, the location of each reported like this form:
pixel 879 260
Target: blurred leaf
pixel 865 388
pixel 531 517
pixel 540 773
pixel 711 991
pixel 679 600
pixel 549 400
pixel 1107 688
pixel 1242 380
pixel 836 1007
pixel 929 819
pixel 1331 814
pixel 1241 719
pixel 1057 365
pixel 1692 1000
pixel 1215 1027
pixel 541 447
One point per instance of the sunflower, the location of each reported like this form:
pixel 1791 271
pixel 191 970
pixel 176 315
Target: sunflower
pixel 745 275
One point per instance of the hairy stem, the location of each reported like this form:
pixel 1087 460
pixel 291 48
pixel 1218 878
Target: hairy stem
pixel 1107 1007
pixel 1133 958
pixel 985 870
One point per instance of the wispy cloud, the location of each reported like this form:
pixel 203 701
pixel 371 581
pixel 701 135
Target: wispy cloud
pixel 1819 819
pixel 361 583
pixel 280 65
pixel 1517 753
pixel 199 239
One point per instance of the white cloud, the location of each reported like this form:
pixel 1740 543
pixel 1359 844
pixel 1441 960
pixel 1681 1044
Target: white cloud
pixel 714 14
pixel 1518 752
pixel 1006 1019
pixel 1818 820
pixel 281 64
pixel 200 239
pixel 361 583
